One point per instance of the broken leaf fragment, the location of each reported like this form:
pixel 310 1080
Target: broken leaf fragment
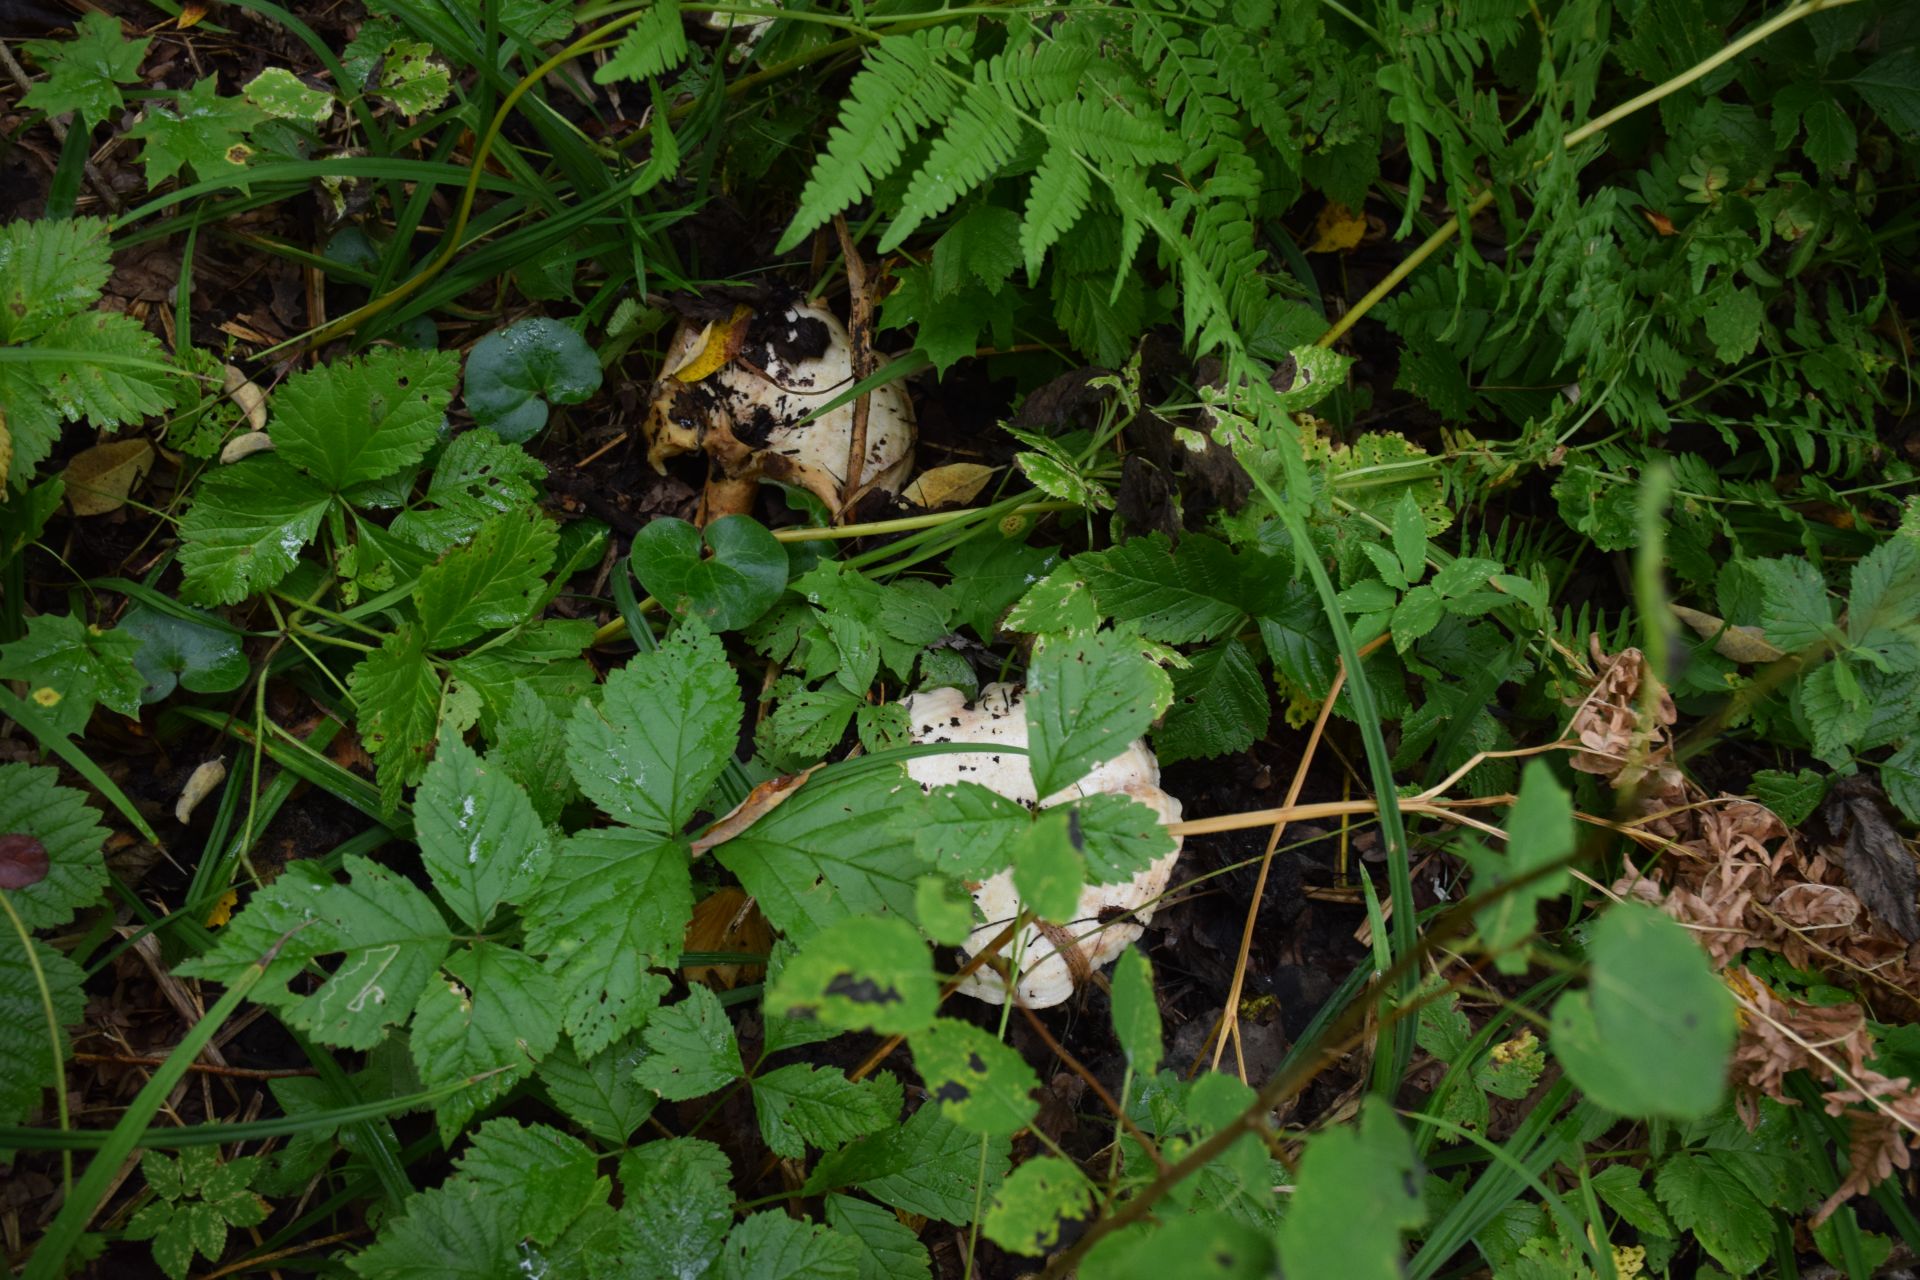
pixel 280 93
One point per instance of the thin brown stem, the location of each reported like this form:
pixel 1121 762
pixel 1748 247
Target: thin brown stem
pixel 1087 1077
pixel 205 1068
pixel 860 327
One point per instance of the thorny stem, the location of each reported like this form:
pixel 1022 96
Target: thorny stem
pixel 1451 227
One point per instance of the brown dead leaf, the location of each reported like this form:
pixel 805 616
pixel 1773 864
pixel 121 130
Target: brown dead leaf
pixel 1660 222
pixel 1337 229
pixel 955 484
pixel 6 448
pixel 99 479
pixel 761 801
pixel 23 861
pixel 1876 859
pixel 190 14
pixel 246 393
pixel 1744 645
pixel 728 920
pixel 245 445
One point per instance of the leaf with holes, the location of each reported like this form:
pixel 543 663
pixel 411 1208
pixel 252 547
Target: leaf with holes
pixel 981 1084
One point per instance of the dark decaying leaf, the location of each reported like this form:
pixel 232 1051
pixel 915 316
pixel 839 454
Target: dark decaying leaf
pixel 1878 866
pixel 23 861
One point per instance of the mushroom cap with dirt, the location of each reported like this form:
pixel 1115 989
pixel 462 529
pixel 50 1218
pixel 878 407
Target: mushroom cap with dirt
pixel 738 391
pixel 1054 957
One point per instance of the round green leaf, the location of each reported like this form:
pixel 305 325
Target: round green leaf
pixel 1651 1033
pixel 728 589
pixel 513 373
pixel 982 1084
pixel 177 651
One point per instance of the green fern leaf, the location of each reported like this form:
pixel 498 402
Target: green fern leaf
pixel 656 43
pixel 1186 80
pixel 1055 200
pixel 1109 136
pixel 897 95
pixel 982 136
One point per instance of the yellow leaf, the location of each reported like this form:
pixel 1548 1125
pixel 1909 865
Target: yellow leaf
pixel 722 343
pixel 99 479
pixel 955 484
pixel 1337 229
pixel 6 450
pixel 223 909
pixel 1735 643
pixel 190 14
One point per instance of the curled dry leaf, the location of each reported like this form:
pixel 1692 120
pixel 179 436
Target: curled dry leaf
pixel 207 775
pixel 761 801
pixel 100 479
pixel 1745 645
pixel 955 484
pixel 245 445
pixel 23 860
pixel 246 393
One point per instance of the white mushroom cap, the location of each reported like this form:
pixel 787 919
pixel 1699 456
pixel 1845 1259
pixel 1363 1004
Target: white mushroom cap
pixel 999 717
pixel 745 415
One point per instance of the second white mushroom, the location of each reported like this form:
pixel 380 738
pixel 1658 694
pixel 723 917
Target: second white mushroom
pixel 1108 917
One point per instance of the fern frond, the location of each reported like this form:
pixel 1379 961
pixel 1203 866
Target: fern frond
pixel 1186 80
pixel 981 137
pixel 1056 197
pixel 656 43
pixel 1034 76
pixel 897 95
pixel 1109 136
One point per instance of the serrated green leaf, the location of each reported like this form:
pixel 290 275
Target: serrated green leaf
pixel 1708 1200
pixel 1792 796
pixel 515 372
pixel 26 1062
pixel 691 1048
pixel 988 574
pixel 246 527
pixel 397 694
pixel 1649 985
pixel 452 1232
pixel 664 730
pixel 48 271
pixel 886 1249
pixel 495 1010
pixel 1199 591
pixel 599 1093
pixel 1035 1204
pixel 1539 831
pixel 93 379
pixel 202 132
pixel 1136 1012
pixel 1220 706
pixel 678 1207
pixel 477 478
pixel 969 831
pixel 614 904
pixel 479 837
pixel 929 1166
pixel 1794 610
pixel 1059 604
pixel 492 583
pixel 1900 777
pixel 70 667
pixel 1618 1185
pixel 801 1106
pixel 32 804
pixel 388 936
pixel 1205 1246
pixel 981 1084
pixel 772 1246
pixel 363 418
pixel 540 1178
pixel 85 72
pixel 1049 871
pixel 530 746
pixel 1088 697
pixel 834 849
pixel 1366 1172
pixel 859 974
